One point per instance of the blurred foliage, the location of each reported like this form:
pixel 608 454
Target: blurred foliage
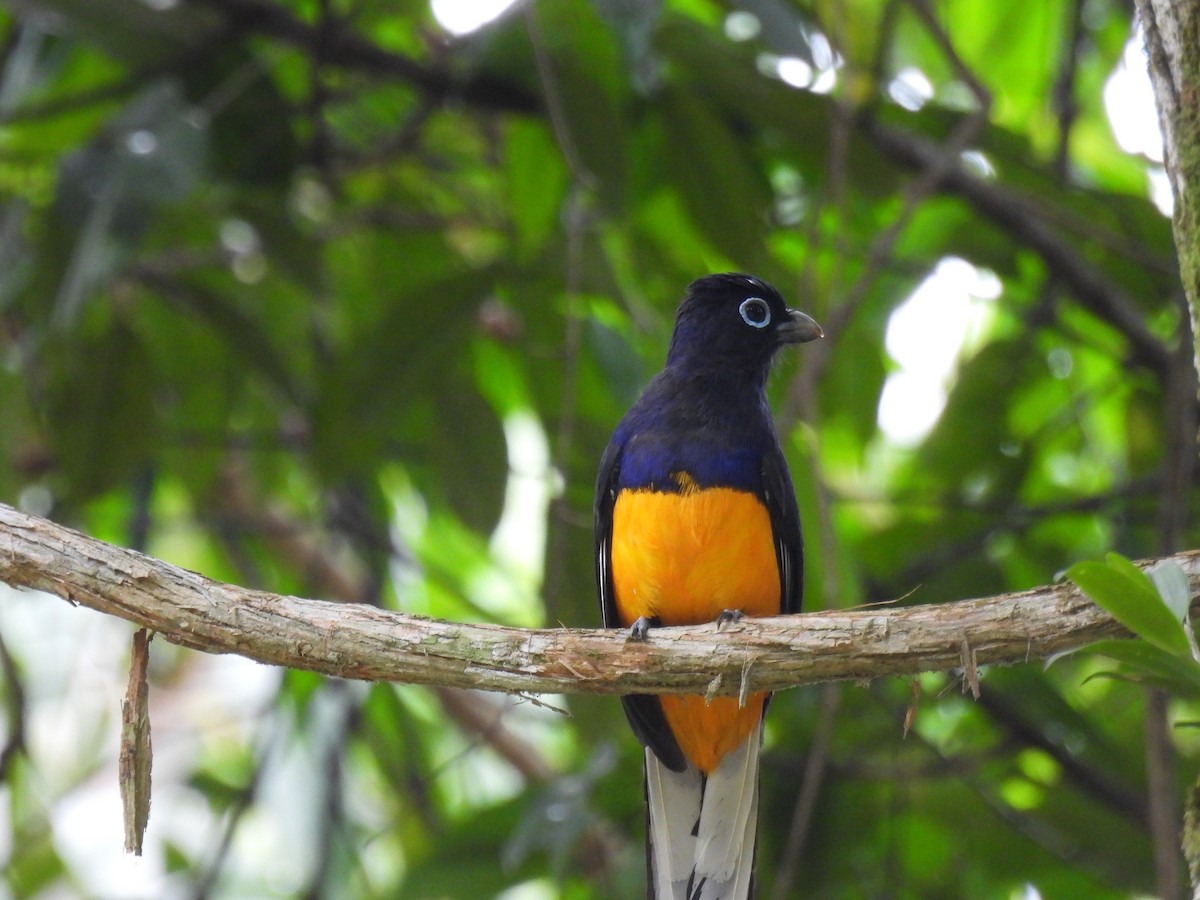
pixel 317 298
pixel 1155 607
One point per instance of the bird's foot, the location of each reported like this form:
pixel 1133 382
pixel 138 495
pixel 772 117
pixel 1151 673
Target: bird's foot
pixel 729 616
pixel 640 628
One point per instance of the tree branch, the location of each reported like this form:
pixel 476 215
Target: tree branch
pixel 1010 211
pixel 364 642
pixel 346 49
pixel 1172 32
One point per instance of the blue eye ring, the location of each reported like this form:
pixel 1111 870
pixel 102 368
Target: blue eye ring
pixel 755 312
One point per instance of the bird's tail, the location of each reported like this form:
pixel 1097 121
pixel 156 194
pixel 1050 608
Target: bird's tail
pixel 701 831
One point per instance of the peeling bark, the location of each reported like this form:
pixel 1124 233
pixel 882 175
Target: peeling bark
pixel 365 642
pixel 1172 31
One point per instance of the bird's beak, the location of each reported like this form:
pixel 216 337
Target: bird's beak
pixel 799 328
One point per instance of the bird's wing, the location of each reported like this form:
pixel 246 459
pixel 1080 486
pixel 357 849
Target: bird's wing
pixel 780 499
pixel 643 711
pixel 606 499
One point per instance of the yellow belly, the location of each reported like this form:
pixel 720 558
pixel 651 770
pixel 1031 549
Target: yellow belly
pixel 683 558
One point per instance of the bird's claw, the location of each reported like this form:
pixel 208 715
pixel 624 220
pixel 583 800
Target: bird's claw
pixel 641 627
pixel 728 616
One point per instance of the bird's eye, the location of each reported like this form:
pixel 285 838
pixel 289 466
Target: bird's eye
pixel 755 312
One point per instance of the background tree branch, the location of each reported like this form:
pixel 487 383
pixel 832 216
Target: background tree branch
pixel 365 642
pixel 1172 32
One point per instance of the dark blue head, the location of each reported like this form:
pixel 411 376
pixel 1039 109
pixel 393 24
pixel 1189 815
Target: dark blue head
pixel 735 323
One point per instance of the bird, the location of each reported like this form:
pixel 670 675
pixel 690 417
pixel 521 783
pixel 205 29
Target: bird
pixel 696 521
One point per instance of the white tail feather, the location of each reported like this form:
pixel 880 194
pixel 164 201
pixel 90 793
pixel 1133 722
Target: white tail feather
pixel 702 832
pixel 674 801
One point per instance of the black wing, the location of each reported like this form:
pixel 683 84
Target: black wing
pixel 602 511
pixel 780 499
pixel 643 711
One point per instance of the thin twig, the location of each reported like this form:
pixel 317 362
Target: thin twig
pixel 485 718
pixel 577 221
pixel 15 690
pixel 1025 223
pixel 1164 819
pixel 1063 94
pixel 72 103
pixel 269 733
pixel 936 168
pixel 351 51
pixel 1041 831
pixel 332 822
pixel 472 711
pixel 1098 784
pixel 475 713
pixel 815 766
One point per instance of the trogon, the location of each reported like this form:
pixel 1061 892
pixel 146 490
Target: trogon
pixel 696 521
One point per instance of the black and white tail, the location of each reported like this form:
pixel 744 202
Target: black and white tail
pixel 701 831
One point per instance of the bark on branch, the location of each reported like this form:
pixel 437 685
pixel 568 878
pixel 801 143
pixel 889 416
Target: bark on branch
pixel 364 642
pixel 1172 32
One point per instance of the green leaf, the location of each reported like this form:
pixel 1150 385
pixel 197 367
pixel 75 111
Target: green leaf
pixel 134 32
pixel 536 180
pixel 37 867
pixel 1167 670
pixel 463 863
pixel 1172 584
pixel 99 407
pixel 570 56
pixel 1128 594
pixel 972 427
pixel 702 152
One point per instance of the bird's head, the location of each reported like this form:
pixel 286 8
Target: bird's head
pixel 735 322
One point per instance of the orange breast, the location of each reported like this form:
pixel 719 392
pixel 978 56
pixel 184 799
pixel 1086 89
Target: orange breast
pixel 683 558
